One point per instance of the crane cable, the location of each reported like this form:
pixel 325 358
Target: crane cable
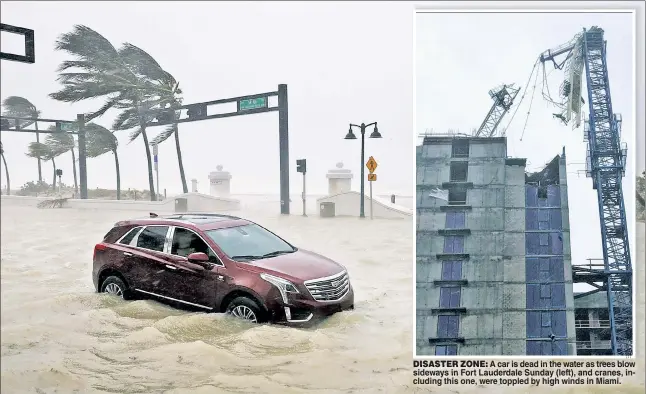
pixel 531 100
pixel 524 92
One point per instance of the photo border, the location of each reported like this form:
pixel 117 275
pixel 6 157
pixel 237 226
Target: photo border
pixel 633 8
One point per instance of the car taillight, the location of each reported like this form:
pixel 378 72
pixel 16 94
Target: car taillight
pixel 99 248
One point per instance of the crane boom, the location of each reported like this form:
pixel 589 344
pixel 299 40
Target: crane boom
pixel 605 164
pixel 503 97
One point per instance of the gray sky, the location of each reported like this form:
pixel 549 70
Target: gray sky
pixel 342 62
pixel 460 57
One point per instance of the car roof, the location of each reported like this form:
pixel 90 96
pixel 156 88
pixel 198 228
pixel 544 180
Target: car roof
pixel 196 220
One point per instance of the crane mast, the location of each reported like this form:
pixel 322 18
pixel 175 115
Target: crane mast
pixel 605 164
pixel 503 97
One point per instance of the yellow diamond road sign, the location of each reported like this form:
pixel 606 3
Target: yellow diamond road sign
pixel 371 164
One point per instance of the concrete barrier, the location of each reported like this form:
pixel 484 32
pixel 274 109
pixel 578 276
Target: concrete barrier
pixel 196 202
pixel 347 204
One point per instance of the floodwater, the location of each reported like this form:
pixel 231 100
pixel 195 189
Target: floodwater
pixel 58 335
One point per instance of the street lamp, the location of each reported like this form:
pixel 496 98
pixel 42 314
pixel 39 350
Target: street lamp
pixel 351 136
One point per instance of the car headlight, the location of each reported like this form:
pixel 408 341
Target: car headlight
pixel 283 285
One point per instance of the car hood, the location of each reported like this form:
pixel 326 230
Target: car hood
pixel 299 266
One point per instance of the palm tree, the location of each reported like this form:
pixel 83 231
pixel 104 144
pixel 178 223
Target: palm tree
pixel 44 152
pixel 6 169
pixel 22 108
pixel 102 72
pixel 147 67
pixel 60 143
pixel 100 140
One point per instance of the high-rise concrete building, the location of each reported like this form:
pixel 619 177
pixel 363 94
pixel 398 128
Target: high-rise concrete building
pixel 494 273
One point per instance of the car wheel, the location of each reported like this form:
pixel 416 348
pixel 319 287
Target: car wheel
pixel 115 286
pixel 246 309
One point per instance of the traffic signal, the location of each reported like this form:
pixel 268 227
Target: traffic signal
pixel 196 111
pixel 301 166
pixel 59 172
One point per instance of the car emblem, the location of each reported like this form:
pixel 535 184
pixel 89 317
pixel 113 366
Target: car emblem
pixel 335 284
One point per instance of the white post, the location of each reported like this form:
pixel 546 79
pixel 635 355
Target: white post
pixel 304 191
pixel 370 200
pixel 155 153
pixel 59 186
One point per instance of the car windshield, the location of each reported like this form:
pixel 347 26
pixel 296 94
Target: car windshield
pixel 249 242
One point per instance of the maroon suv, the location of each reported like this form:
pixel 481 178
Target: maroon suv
pixel 220 263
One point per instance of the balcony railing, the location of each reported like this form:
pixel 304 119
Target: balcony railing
pixel 592 323
pixel 593 345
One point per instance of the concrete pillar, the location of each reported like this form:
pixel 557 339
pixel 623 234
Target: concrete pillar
pixel 194 185
pixel 220 182
pixel 339 180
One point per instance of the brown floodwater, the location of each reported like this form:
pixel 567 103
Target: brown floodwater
pixel 58 335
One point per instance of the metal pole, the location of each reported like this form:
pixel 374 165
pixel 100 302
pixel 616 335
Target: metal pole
pixel 363 134
pixel 370 200
pixel 80 119
pixel 156 162
pixel 59 184
pixel 304 194
pixel 283 138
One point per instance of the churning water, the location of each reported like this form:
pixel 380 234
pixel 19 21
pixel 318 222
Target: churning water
pixel 58 335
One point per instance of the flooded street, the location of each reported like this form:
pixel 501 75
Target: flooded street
pixel 58 335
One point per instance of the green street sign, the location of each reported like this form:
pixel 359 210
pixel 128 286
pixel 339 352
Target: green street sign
pixel 255 103
pixel 67 126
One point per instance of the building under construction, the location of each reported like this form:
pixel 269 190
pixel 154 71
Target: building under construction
pixel 494 273
pixel 494 270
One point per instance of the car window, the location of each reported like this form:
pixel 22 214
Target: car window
pixel 248 240
pixel 186 242
pixel 153 238
pixel 129 237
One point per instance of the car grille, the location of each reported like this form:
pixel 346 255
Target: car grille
pixel 332 288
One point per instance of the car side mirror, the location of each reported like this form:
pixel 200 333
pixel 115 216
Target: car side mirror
pixel 198 258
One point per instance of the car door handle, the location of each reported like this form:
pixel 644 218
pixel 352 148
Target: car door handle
pixel 170 267
pixel 127 254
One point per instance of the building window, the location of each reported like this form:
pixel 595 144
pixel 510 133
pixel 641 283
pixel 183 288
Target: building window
pixel 451 270
pixel 448 326
pixel 446 350
pixel 457 197
pixel 454 244
pixel 546 319
pixel 544 270
pixel 543 239
pixel 546 291
pixel 455 220
pixel 543 219
pixel 460 148
pixel 547 348
pixel 459 170
pixel 450 297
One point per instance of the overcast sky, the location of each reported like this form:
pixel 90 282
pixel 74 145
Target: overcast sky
pixel 342 63
pixel 460 57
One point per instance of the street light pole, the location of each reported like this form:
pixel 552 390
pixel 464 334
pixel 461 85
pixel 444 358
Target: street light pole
pixel 350 136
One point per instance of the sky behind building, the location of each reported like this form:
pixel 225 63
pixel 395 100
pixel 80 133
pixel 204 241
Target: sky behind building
pixel 461 56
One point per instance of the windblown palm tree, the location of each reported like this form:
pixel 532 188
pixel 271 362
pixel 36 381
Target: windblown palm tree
pixel 44 152
pixel 99 141
pixel 147 67
pixel 6 169
pixel 102 73
pixel 22 108
pixel 61 143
